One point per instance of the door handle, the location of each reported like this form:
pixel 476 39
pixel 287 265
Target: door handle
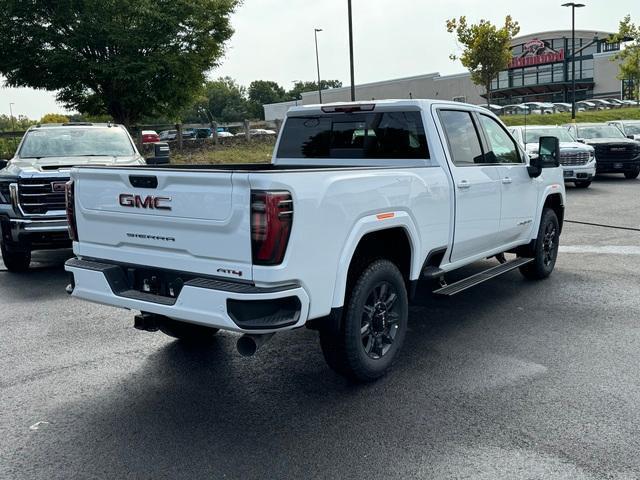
pixel 507 180
pixel 464 184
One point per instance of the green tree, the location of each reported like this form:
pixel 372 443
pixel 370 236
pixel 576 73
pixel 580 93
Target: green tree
pixel 226 100
pixel 54 118
pixel 19 123
pixel 262 92
pixel 126 58
pixel 299 87
pixel 486 48
pixel 629 57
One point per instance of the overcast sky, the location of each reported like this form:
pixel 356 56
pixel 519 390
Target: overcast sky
pixel 273 39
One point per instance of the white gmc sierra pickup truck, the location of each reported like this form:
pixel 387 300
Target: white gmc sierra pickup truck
pixel 361 200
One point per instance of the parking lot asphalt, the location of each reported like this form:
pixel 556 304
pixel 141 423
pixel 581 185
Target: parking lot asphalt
pixel 512 379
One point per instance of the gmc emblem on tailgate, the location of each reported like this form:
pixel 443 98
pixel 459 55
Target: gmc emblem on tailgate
pixel 149 202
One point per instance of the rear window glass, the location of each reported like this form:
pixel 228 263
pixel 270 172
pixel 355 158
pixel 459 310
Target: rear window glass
pixel 388 135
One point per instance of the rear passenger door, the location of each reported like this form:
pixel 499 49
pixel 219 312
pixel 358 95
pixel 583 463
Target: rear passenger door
pixel 519 190
pixel 477 186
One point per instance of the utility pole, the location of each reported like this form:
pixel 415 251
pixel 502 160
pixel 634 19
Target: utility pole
pixel 13 125
pixel 315 32
pixel 353 84
pixel 573 6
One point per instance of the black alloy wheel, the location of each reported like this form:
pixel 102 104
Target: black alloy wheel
pixel 380 319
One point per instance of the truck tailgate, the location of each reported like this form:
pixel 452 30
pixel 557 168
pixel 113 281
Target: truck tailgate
pixel 165 218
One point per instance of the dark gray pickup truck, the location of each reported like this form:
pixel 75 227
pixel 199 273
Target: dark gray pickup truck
pixel 32 183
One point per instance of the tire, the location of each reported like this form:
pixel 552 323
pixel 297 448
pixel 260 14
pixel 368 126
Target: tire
pixel 545 252
pixel 632 174
pixel 583 184
pixel 187 332
pixel 374 325
pixel 16 261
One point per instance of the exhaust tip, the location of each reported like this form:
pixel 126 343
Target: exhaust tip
pixel 247 346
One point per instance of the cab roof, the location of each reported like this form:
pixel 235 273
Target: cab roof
pixel 73 124
pixel 371 105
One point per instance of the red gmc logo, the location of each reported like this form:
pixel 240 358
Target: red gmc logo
pixel 149 202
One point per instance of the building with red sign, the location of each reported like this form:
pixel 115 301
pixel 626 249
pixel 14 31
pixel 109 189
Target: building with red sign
pixel 540 71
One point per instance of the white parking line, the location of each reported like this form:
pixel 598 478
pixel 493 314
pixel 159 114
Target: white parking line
pixel 605 249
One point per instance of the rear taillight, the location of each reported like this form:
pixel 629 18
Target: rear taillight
pixel 271 220
pixel 69 194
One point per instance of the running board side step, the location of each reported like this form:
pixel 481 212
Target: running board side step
pixel 481 277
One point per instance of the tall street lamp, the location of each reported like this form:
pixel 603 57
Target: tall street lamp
pixel 13 125
pixel 353 85
pixel 573 6
pixel 315 33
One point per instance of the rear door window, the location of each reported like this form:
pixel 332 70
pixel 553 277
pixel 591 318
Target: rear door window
pixel 382 135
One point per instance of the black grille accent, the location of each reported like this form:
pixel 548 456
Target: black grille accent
pixel 4 192
pixel 37 196
pixel 617 152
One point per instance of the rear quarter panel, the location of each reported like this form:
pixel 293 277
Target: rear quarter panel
pixel 333 209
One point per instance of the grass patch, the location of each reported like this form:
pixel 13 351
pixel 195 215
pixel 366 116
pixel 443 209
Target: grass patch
pixel 581 117
pixel 253 152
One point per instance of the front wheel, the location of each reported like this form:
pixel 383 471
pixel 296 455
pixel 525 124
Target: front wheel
pixel 631 174
pixel 545 251
pixel 373 326
pixel 15 261
pixel 583 184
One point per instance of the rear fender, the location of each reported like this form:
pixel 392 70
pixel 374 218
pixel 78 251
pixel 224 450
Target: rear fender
pixel 364 226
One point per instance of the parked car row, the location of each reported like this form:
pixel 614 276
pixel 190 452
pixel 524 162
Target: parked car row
pixel 149 136
pixel 258 132
pixel 589 148
pixel 538 108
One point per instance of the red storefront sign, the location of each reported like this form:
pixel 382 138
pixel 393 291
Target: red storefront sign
pixel 550 57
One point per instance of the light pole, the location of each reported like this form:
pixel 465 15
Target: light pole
pixel 573 6
pixel 295 82
pixel 315 33
pixel 13 125
pixel 353 85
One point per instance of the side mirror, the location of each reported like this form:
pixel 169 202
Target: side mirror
pixel 549 151
pixel 632 137
pixel 161 154
pixel 535 166
pixel 3 164
pixel 581 140
pixel 548 156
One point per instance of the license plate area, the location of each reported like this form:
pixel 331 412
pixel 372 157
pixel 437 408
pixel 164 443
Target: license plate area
pixel 618 165
pixel 568 173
